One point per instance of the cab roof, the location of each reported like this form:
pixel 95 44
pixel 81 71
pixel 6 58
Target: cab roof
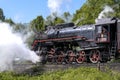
pixel 106 21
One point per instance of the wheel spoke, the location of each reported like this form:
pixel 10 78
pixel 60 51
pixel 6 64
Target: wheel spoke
pixel 60 57
pixel 81 57
pixel 71 56
pixel 50 58
pixel 94 56
pixel 51 54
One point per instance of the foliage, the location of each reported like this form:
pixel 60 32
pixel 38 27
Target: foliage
pixel 116 7
pixel 70 74
pixel 58 20
pixel 49 20
pixel 90 11
pixel 10 21
pixel 67 17
pixel 53 19
pixel 115 61
pixel 38 24
pixel 19 27
pixel 2 17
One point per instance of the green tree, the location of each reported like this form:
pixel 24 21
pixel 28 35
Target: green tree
pixel 10 21
pixel 90 11
pixel 38 24
pixel 116 7
pixel 49 20
pixel 2 17
pixel 53 19
pixel 19 27
pixel 67 17
pixel 58 20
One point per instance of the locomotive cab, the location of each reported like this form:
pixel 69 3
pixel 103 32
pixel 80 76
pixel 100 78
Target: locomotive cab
pixel 102 34
pixel 106 33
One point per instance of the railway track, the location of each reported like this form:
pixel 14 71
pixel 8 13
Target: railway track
pixel 33 69
pixel 100 66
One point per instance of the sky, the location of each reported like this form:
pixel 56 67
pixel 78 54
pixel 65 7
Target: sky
pixel 24 11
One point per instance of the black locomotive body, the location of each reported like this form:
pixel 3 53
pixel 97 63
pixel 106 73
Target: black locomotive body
pixel 88 43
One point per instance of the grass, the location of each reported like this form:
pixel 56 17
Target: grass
pixel 70 74
pixel 115 61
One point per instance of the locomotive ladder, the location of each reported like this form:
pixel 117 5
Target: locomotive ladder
pixel 113 49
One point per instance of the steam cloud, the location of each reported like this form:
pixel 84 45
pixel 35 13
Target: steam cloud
pixel 54 5
pixel 106 10
pixel 12 47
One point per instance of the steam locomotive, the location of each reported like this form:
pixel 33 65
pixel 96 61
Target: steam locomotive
pixel 67 43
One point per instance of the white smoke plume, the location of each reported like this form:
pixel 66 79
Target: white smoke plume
pixel 106 10
pixel 54 5
pixel 12 47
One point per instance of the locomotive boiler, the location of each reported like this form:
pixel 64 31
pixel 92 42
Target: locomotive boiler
pixel 67 43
